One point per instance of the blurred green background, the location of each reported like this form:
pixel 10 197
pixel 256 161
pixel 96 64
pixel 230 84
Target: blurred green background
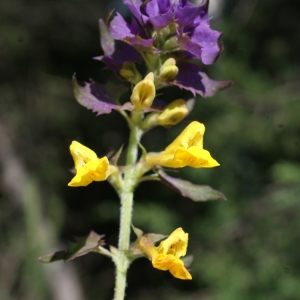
pixel 245 248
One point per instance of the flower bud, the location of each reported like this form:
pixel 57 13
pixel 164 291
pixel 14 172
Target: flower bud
pixel 173 113
pixel 168 70
pixel 130 72
pixel 143 93
pixel 171 43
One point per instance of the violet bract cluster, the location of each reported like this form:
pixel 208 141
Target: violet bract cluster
pixel 163 45
pixel 169 26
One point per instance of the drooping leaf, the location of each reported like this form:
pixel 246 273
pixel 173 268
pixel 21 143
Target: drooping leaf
pixel 198 193
pixel 81 246
pixel 98 97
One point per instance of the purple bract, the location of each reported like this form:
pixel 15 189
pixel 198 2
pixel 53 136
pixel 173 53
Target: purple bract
pixel 167 26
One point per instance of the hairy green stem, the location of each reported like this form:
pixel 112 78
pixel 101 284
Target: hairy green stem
pixel 126 195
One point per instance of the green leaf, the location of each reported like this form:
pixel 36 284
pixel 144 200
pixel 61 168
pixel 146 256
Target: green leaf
pixel 81 246
pixel 198 193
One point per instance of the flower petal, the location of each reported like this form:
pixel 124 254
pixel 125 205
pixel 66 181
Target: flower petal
pixel 193 133
pixel 173 264
pixel 175 244
pixel 194 157
pixel 92 171
pixel 81 154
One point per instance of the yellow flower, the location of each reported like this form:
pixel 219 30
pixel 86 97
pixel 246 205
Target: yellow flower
pixel 167 255
pixel 186 150
pixel 143 93
pixel 88 166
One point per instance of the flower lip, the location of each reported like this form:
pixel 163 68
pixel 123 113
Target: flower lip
pixel 167 255
pixel 88 166
pixel 185 150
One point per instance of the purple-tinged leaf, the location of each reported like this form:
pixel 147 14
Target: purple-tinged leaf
pixel 134 7
pixel 106 40
pixel 115 52
pixel 192 79
pixel 122 52
pixel 198 193
pixel 160 12
pixel 186 14
pixel 99 98
pixel 132 33
pixel 81 246
pixel 146 44
pixel 120 29
pixel 207 38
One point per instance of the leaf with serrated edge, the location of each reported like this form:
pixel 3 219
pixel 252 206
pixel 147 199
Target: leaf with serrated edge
pixel 198 193
pixel 98 97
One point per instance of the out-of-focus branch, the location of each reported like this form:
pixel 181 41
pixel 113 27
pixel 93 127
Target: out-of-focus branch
pixel 22 191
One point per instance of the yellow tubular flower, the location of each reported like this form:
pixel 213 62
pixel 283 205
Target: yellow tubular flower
pixel 173 113
pixel 88 166
pixel 186 150
pixel 143 93
pixel 167 255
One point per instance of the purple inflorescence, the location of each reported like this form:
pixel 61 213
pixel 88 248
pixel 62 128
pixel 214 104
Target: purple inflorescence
pixel 165 25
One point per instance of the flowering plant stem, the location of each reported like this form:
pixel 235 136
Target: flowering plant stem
pixel 122 261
